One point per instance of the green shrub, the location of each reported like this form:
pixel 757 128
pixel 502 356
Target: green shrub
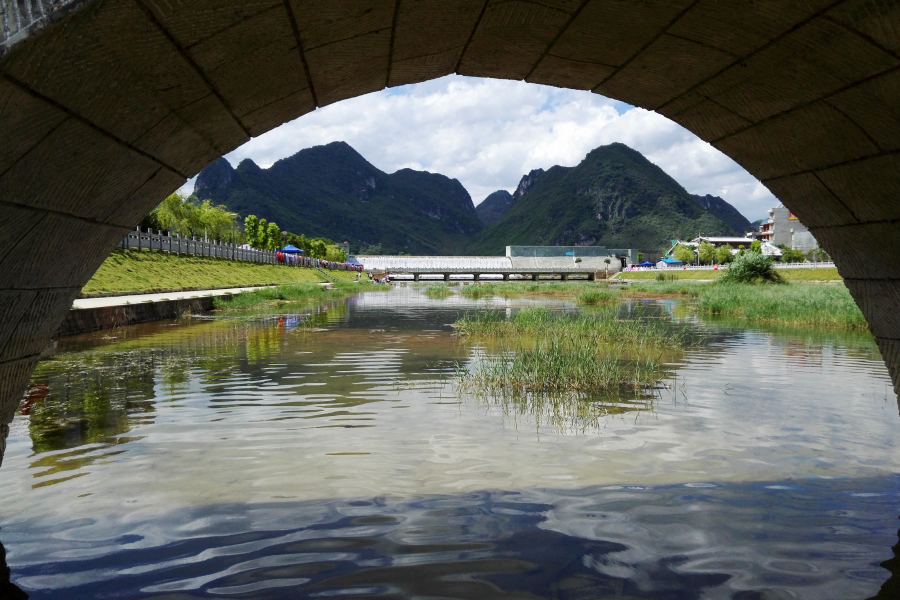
pixel 666 277
pixel 595 297
pixel 751 267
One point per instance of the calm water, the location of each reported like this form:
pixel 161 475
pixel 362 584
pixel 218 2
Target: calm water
pixel 326 453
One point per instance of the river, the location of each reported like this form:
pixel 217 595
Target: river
pixel 327 452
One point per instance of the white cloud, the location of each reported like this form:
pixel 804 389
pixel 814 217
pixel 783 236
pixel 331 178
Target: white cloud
pixel 488 133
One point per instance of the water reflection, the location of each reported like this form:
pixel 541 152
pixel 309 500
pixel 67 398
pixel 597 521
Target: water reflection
pixel 327 452
pixel 681 542
pixel 8 590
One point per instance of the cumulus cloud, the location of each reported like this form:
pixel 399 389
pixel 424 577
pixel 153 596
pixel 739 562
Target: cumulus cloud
pixel 488 133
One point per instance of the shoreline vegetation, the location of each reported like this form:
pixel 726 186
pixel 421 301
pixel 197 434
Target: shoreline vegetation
pixel 145 272
pixel 544 351
pixel 797 304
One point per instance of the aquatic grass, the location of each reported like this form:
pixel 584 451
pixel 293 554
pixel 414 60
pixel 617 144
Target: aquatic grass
pixel 551 351
pixel 560 364
pixel 596 296
pixel 598 327
pixel 512 289
pixel 437 291
pixel 679 288
pixel 813 305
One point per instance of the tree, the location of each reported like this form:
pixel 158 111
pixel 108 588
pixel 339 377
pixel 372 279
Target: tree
pixel 723 255
pixel 251 230
pixel 262 236
pixel 707 253
pixel 683 254
pixel 640 257
pixel 273 237
pixel 756 246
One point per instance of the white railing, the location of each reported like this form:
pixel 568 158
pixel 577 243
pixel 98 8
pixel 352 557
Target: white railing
pixel 778 265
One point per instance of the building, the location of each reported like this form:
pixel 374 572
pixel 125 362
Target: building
pixel 784 229
pixel 735 243
pixel 669 263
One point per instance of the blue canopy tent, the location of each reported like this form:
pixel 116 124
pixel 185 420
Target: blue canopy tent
pixel 647 263
pixel 291 249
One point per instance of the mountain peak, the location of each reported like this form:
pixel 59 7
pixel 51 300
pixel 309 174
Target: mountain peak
pixel 615 198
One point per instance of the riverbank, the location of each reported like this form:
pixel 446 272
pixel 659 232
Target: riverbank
pixel 829 274
pixel 141 272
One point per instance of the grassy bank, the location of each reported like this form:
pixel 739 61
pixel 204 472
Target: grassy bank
pixel 539 350
pixel 131 271
pixel 830 274
pixel 810 305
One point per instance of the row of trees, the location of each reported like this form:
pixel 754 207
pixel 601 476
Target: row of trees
pixel 191 217
pixel 707 254
pixel 188 216
pixel 268 236
pixel 262 235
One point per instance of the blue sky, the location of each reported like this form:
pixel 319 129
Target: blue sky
pixel 488 133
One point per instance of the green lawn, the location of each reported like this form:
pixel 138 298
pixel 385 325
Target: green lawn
pixel 131 271
pixel 789 274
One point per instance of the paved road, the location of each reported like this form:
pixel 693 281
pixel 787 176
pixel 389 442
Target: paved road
pixel 139 298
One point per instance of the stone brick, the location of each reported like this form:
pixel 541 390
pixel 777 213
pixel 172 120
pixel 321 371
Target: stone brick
pixel 811 200
pixel 863 251
pixel 31 317
pixel 511 39
pixel 76 170
pixel 818 59
pixel 890 352
pixel 810 138
pixel 350 67
pixel 324 22
pixel 878 19
pixel 877 299
pixel 26 121
pixel 565 73
pixel 419 58
pixel 192 22
pixel 130 209
pixel 740 27
pixel 280 111
pixel 423 68
pixel 15 223
pixel 603 33
pixel 707 119
pixel 871 187
pixel 873 106
pixel 261 49
pixel 63 252
pixel 670 66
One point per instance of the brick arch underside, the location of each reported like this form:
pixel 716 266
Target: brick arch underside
pixel 107 106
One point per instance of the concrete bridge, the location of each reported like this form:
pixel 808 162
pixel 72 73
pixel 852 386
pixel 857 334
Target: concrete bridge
pixel 107 106
pixel 477 266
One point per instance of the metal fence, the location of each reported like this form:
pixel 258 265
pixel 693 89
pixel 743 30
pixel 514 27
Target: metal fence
pixel 177 244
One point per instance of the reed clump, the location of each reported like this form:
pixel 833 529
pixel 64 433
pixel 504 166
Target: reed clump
pixel 596 296
pixel 809 305
pixel 437 291
pixel 546 351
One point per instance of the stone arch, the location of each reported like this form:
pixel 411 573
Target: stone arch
pixel 106 106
